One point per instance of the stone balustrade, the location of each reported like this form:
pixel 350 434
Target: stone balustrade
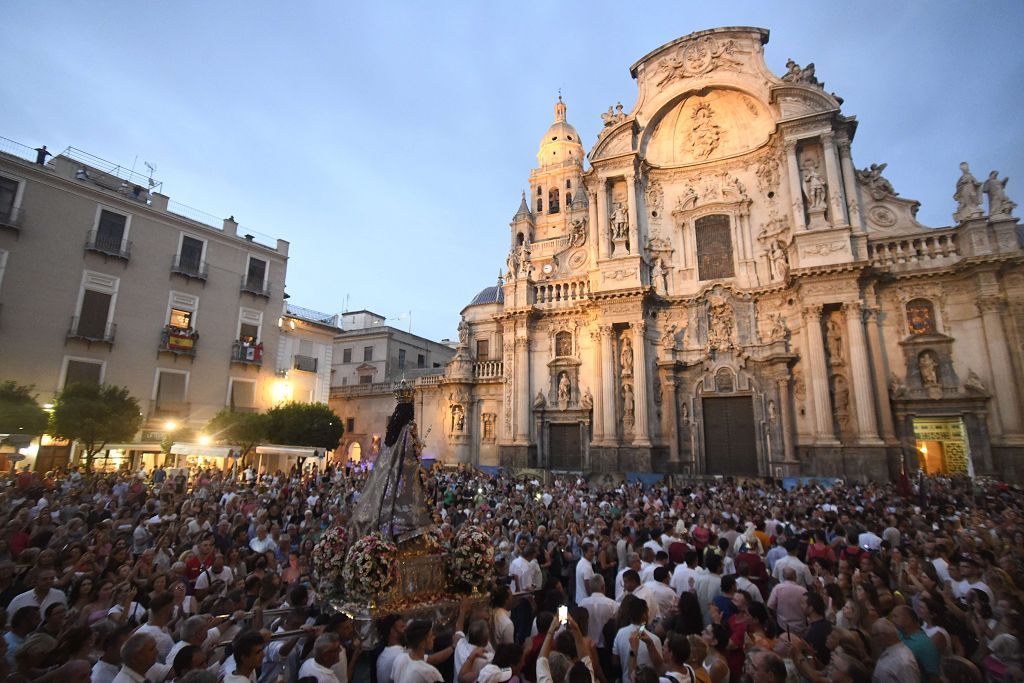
pixel 428 380
pixel 561 292
pixel 914 251
pixel 488 369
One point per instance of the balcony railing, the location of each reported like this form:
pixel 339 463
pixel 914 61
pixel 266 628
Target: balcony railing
pixel 11 217
pixel 190 267
pixel 487 369
pixel 89 331
pixel 179 341
pixel 304 363
pixel 108 246
pixel 915 251
pixel 562 292
pixel 247 353
pixel 256 286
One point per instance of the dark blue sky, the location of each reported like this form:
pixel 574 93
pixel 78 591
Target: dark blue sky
pixel 389 142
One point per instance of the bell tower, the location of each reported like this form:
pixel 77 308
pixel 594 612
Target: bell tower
pixel 556 185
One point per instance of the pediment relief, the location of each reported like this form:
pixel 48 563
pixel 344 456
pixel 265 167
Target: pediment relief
pixel 616 142
pixel 707 126
pixel 796 101
pixel 721 189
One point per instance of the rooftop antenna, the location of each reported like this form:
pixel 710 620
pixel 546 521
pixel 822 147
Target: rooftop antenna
pixel 152 170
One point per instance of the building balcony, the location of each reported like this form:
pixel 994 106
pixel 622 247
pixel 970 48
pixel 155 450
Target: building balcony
pixel 304 363
pixel 11 218
pixel 191 268
pixel 245 353
pixel 916 251
pixel 178 341
pixel 102 244
pixel 256 287
pixel 488 369
pixel 560 293
pixel 89 331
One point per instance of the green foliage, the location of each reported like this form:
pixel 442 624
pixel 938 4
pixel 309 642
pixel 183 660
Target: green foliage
pixel 245 430
pixel 95 415
pixel 19 412
pixel 304 424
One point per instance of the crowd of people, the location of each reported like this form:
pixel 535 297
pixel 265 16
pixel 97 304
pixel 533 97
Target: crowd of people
pixel 141 577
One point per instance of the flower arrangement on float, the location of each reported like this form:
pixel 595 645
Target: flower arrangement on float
pixel 328 556
pixel 472 557
pixel 370 568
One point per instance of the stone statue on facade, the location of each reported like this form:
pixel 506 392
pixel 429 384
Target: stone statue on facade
pixel 974 383
pixel 613 115
pixel 587 400
pixel 794 74
pixel 620 221
pixel 896 386
pixel 720 324
pixel 626 357
pixel 578 232
pixel 999 205
pixel 564 390
pixel 627 401
pixel 929 368
pixel 968 195
pixel 835 341
pixel 814 186
pixel 458 419
pixel 779 260
pixel 660 276
pixel 668 337
pixel 878 186
pixel 778 331
pixel 539 402
pixel 463 332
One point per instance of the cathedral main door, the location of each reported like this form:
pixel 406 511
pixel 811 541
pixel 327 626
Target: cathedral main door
pixel 730 446
pixel 566 447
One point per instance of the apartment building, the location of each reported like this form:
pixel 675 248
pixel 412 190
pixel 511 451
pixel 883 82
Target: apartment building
pixel 104 278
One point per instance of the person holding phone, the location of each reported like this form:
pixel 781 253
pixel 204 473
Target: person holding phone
pixel 648 652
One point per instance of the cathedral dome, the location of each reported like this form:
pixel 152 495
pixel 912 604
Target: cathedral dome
pixel 489 295
pixel 561 141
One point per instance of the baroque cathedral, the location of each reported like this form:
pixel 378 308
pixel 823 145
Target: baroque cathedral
pixel 714 288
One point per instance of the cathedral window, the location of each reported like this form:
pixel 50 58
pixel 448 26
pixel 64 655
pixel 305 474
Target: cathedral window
pixel 568 184
pixel 714 247
pixel 568 198
pixel 563 344
pixel 540 205
pixel 482 349
pixel 921 317
pixel 553 201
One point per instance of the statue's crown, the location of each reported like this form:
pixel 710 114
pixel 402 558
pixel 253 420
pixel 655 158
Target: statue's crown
pixel 403 392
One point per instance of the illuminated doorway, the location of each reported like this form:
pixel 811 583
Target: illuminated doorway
pixel 355 451
pixel 942 445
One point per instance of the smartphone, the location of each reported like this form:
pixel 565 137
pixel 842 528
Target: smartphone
pixel 642 629
pixel 563 614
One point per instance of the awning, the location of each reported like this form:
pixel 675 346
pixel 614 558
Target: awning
pixel 200 449
pixel 149 447
pixel 297 451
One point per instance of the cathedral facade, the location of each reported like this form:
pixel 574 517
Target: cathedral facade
pixel 714 288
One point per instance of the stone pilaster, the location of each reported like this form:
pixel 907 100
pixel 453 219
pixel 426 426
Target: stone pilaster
pixel 641 436
pixel 1006 401
pixel 849 182
pixel 608 385
pixel 670 413
pixel 603 234
pixel 594 231
pixel 793 169
pixel 597 386
pixel 817 376
pixel 631 209
pixel 863 392
pixel 836 201
pixel 524 394
pixel 881 377
pixel 788 426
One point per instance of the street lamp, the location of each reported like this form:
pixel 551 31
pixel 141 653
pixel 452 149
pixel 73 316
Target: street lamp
pixel 170 425
pixel 204 440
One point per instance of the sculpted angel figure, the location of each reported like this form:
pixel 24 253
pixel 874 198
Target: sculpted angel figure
pixel 998 203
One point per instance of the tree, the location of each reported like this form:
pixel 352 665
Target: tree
pixel 245 430
pixel 95 415
pixel 20 414
pixel 304 424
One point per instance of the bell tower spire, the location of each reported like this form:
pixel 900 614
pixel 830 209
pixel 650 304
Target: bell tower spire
pixel 559 108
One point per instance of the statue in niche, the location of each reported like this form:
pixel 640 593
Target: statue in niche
pixel 684 412
pixel 620 221
pixel 458 418
pixel 539 403
pixel 627 400
pixel 587 401
pixel 512 262
pixel 720 324
pixel 668 337
pixel 929 369
pixel 564 390
pixel 814 186
pixel 779 260
pixel 968 195
pixel 706 134
pixel 878 186
pixel 772 417
pixel 660 276
pixel 999 204
pixel 626 356
pixel 835 341
pixel 778 331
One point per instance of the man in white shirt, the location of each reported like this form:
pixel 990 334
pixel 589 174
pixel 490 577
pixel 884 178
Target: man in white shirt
pixel 632 562
pixel 636 612
pixel 138 654
pixel 218 572
pixel 584 572
pixel 262 542
pixel 684 578
pixel 411 666
pixel 647 565
pixel 661 592
pixel 326 653
pixel 803 573
pixel 42 596
pixel 161 610
pixel 478 635
pixel 390 628
pixel 600 607
pixel 248 649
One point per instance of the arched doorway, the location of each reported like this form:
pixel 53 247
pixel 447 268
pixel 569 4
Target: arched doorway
pixel 355 451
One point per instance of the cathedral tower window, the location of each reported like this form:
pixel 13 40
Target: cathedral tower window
pixel 553 201
pixel 714 247
pixel 921 317
pixel 568 184
pixel 540 200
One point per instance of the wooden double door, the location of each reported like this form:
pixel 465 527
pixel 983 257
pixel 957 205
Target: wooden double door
pixel 730 436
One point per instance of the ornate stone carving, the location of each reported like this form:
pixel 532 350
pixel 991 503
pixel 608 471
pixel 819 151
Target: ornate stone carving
pixel 878 186
pixel 706 135
pixel 778 331
pixel 768 174
pixel 696 59
pixel 775 227
pixel 578 232
pixel 539 401
pixel 668 336
pixel 564 390
pixel 587 400
pixel 794 74
pixel 974 383
pixel 659 276
pixel 458 424
pixel 721 323
pixel 841 393
pixel 618 274
pixel 999 205
pixel 463 332
pixel 627 404
pixel 778 257
pixel 619 221
pixel 815 190
pixel 655 197
pixel 626 355
pixel 772 414
pixel 834 340
pixel 896 386
pixel 722 188
pixel 967 195
pixel 613 116
pixel 928 366
pixel 882 216
pixel 823 249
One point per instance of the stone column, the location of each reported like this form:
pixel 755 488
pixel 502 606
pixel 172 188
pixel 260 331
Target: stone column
pixel 817 376
pixel 849 181
pixel 594 232
pixel 603 245
pixel 641 435
pixel 881 377
pixel 631 209
pixel 524 394
pixel 608 385
pixel 786 413
pixel 863 391
pixel 795 186
pixel 837 204
pixel 1005 389
pixel 597 386
pixel 670 408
